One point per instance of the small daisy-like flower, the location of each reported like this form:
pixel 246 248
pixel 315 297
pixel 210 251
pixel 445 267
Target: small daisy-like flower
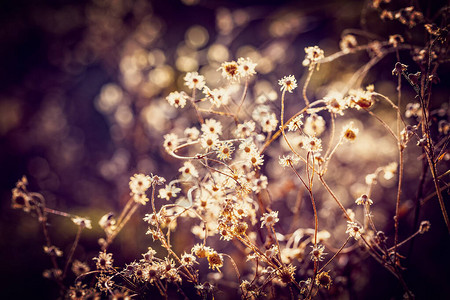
pixel 230 70
pixel 192 133
pixel 288 160
pixel 349 132
pixel 79 267
pixel 215 260
pixel 324 280
pixel 104 260
pixel 246 67
pixel 194 81
pixel 260 112
pixel 52 250
pixel 335 102
pixel 314 125
pixel 269 123
pixel 354 230
pixel 255 158
pixel 313 56
pixel 288 83
pixel 177 99
pixel 269 219
pixel 212 126
pixel 239 228
pixel 168 192
pixel 217 97
pixel 313 144
pixel 245 130
pixel 296 123
pixel 413 110
pixel 82 222
pixel 224 150
pixel 317 253
pixel 363 200
pixel 170 142
pixel 140 183
pixel 188 170
pixel 247 146
pixel 188 259
pixel 209 140
pixel 149 255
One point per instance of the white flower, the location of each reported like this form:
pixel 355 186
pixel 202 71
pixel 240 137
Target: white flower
pixel 354 230
pixel 269 219
pixel 194 80
pixel 313 56
pixel 269 123
pixel 317 253
pixel 314 125
pixel 188 170
pixel 230 70
pixel 82 222
pixel 313 144
pixel 288 83
pixel 335 102
pixel 140 183
pixel 349 132
pixel 296 123
pixel 192 133
pixel 224 150
pixel 177 99
pixel 168 192
pixel 246 67
pixel 209 140
pixel 245 130
pixel 217 97
pixel 170 142
pixel 212 126
pixel 287 161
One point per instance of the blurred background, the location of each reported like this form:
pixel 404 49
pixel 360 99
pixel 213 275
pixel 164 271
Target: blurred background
pixel 82 88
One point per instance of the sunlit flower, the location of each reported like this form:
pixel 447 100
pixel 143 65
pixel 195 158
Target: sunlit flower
pixel 348 43
pixel 288 83
pixel 296 123
pixel 212 126
pixel 224 150
pixel 246 67
pixel 188 170
pixel 349 132
pixel 335 102
pixel 188 259
pixel 140 183
pixel 317 253
pixel 82 222
pixel 177 99
pixel 245 130
pixel 269 123
pixel 168 192
pixel 170 142
pixel 192 133
pixel 313 56
pixel 52 250
pixel 354 230
pixel 313 144
pixel 390 170
pixel 230 70
pixel 194 81
pixel 269 219
pixel 323 279
pixel 314 125
pixel 215 260
pixel 104 260
pixel 288 160
pixel 209 140
pixel 79 267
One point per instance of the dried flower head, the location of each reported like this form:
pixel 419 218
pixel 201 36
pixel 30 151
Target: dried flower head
pixel 82 222
pixel 323 279
pixel 215 260
pixel 348 43
pixel 224 150
pixel 168 192
pixel 288 160
pixel 424 227
pixel 79 267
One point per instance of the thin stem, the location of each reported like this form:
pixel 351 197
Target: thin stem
pixel 336 254
pixel 72 251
